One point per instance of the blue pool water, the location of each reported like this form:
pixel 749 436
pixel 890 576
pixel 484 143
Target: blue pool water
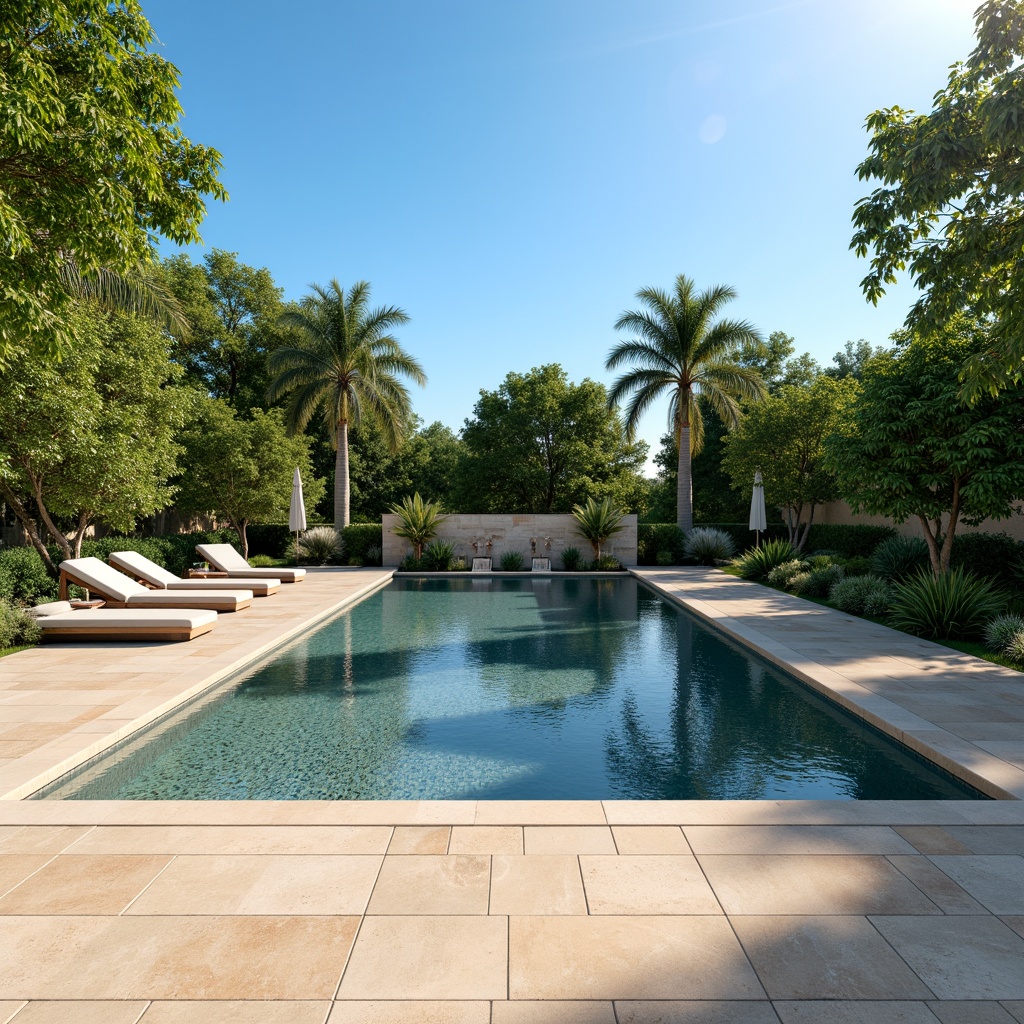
pixel 491 688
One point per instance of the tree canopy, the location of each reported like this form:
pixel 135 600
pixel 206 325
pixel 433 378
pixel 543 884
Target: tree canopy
pixel 92 164
pixel 950 207
pixel 541 444
pixel 914 447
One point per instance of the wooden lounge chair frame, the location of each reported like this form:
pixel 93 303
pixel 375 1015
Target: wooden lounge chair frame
pixel 124 633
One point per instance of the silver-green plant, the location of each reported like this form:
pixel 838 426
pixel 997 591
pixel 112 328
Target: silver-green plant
pixel 708 545
pixel 861 595
pixel 783 575
pixel 1001 630
pixel 1014 648
pixel 818 582
pixel 320 545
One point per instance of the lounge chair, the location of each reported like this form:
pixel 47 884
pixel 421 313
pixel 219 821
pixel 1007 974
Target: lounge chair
pixel 59 621
pixel 224 558
pixel 120 591
pixel 140 568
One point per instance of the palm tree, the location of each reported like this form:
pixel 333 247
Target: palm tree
pixel 681 349
pixel 347 366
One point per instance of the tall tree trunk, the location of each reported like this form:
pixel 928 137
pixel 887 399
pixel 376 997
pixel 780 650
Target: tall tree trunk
pixel 83 525
pixel 341 488
pixel 684 482
pixel 29 525
pixel 243 537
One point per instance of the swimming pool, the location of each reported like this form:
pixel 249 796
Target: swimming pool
pixel 498 688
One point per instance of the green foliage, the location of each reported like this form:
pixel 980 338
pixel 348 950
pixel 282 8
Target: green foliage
pixel 1001 630
pixel 783 575
pixel 655 539
pixel 572 559
pixel 708 545
pixel 993 555
pixel 914 448
pixel 419 521
pixel 320 545
pixel 596 521
pixel 241 470
pixel 899 557
pixel 606 563
pixel 757 563
pixel 411 564
pixel 364 541
pixel 23 576
pixel 861 595
pixel 818 582
pixel 1014 649
pixel 541 443
pixel 93 164
pixel 17 627
pixel 954 606
pixel 848 541
pixel 949 206
pixel 512 561
pixel 439 555
pixel 264 561
pixel 857 566
pixel 784 438
pixel 680 350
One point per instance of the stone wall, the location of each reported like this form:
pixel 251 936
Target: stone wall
pixel 839 512
pixel 543 536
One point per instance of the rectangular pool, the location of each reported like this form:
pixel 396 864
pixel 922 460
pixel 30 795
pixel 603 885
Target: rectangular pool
pixel 497 688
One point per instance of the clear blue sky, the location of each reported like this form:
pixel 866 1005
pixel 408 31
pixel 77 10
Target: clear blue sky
pixel 511 174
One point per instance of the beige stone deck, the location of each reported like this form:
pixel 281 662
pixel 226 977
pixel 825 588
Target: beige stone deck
pixel 450 912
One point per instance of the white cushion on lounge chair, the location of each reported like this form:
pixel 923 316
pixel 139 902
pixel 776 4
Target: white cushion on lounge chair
pixel 225 558
pixel 116 619
pixel 159 577
pixel 41 611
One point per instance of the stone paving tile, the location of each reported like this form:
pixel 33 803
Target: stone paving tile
pixel 9 1008
pixel 448 957
pixel 96 1012
pixel 959 957
pixel 937 886
pixel 15 868
pixel 275 885
pixel 695 1012
pixel 1016 923
pixel 644 839
pixel 828 958
pixel 868 1011
pixel 171 957
pixel 996 882
pixel 235 1012
pixel 422 839
pixel 627 958
pixel 956 1012
pixel 539 812
pixel 406 1012
pixel 927 839
pixel 795 839
pixel 812 885
pixel 537 885
pixel 553 1012
pixel 1015 1008
pixel 1008 839
pixel 486 839
pixel 568 839
pixel 83 885
pixel 647 884
pixel 454 884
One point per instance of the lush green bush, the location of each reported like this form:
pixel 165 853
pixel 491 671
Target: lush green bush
pixel 17 627
pixel 606 563
pixel 572 559
pixel 656 539
pixel 438 556
pixel 1001 630
pixel 411 564
pixel 360 538
pixel 757 563
pixel 265 561
pixel 665 558
pixel 372 555
pixel 321 545
pixel 707 545
pixel 847 540
pixel 954 606
pixel 783 575
pixel 898 558
pixel 993 555
pixel 818 582
pixel 154 548
pixel 511 561
pixel 861 595
pixel 1014 648
pixel 23 576
pixel 856 566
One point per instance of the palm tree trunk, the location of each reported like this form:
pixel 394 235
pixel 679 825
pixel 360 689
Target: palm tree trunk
pixel 684 482
pixel 341 488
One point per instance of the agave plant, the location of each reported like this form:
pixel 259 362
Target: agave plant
pixel 419 521
pixel 898 558
pixel 597 521
pixel 757 563
pixel 511 561
pixel 438 555
pixel 708 545
pixel 954 606
pixel 320 544
pixel 572 559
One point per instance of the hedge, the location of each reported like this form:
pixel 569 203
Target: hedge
pixel 360 536
pixel 846 540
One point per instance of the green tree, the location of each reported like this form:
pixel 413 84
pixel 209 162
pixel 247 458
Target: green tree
pixel 950 207
pixel 541 444
pixel 232 311
pixel 852 360
pixel 784 437
pixel 241 469
pixel 346 366
pixel 916 448
pixel 91 438
pixel 680 350
pixel 92 163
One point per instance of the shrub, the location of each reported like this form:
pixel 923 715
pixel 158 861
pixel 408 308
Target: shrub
pixel 819 582
pixel 821 560
pixel 1000 630
pixel 708 545
pixel 598 521
pixel 1014 648
pixel 782 575
pixel 655 540
pixel 511 561
pixel 954 606
pixel 17 627
pixel 418 521
pixel 665 558
pixel 459 564
pixel 438 555
pixel 156 549
pixel 756 563
pixel 861 595
pixel 264 562
pixel 846 540
pixel 993 555
pixel 320 545
pixel 572 560
pixel 372 555
pixel 270 539
pixel 362 539
pixel 410 564
pixel 857 566
pixel 606 563
pixel 23 576
pixel 900 557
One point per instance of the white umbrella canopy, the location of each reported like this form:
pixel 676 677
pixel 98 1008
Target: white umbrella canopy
pixel 758 519
pixel 297 511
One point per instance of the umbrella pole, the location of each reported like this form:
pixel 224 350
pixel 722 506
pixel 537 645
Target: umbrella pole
pixel 296 547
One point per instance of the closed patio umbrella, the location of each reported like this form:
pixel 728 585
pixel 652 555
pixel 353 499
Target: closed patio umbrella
pixel 758 519
pixel 297 511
